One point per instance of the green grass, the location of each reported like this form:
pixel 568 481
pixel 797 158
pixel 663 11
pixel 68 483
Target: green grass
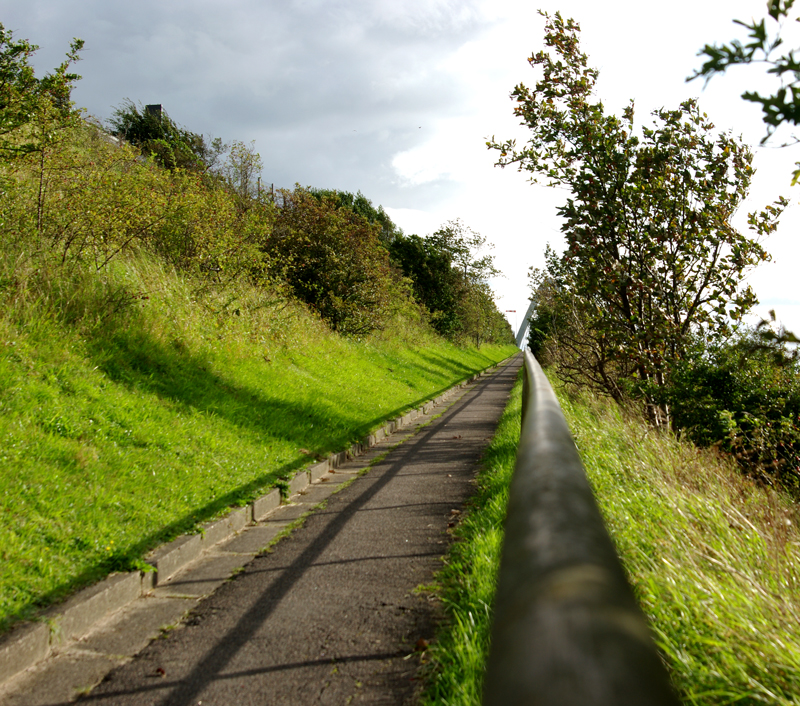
pixel 714 560
pixel 123 428
pixel 467 582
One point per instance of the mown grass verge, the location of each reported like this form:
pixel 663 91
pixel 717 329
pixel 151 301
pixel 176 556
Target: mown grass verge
pixel 714 560
pixel 154 408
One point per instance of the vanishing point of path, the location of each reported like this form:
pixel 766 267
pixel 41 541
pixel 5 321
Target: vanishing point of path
pixel 330 615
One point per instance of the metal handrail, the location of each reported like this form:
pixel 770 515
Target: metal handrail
pixel 567 628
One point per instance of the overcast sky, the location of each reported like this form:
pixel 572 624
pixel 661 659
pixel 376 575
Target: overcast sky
pixel 396 98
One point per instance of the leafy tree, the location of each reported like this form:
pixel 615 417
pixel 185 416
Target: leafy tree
pixel 24 98
pixel 762 46
pixel 436 284
pixel 360 204
pixel 156 134
pixel 464 246
pixel 481 319
pixel 450 277
pixel 652 258
pixel 332 260
pixel 476 308
pixel 242 170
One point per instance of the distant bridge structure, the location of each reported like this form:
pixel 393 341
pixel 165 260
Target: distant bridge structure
pixel 523 329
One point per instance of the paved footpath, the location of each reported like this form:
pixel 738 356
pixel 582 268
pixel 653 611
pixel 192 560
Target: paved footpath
pixel 329 615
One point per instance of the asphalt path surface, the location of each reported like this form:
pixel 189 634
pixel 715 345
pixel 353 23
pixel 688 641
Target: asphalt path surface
pixel 331 614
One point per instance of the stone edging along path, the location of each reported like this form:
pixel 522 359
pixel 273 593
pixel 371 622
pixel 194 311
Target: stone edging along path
pixel 29 643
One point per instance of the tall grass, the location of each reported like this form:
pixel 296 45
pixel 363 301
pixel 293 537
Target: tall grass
pixel 713 557
pixel 136 403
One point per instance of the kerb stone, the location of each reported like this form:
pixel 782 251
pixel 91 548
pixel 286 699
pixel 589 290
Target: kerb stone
pixel 174 556
pixel 80 613
pixel 298 483
pixel 266 504
pixel 217 531
pixel 318 470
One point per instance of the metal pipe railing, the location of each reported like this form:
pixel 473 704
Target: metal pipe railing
pixel 567 629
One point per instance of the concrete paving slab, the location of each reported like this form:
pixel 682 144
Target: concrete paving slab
pixel 315 494
pixel 253 539
pixel 129 632
pixel 59 680
pixel 204 576
pixel 349 470
pixel 289 513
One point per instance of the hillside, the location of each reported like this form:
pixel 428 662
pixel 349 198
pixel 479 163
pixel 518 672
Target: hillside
pixel 137 422
pixel 175 340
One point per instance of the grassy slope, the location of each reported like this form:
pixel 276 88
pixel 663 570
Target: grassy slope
pixel 714 560
pixel 118 433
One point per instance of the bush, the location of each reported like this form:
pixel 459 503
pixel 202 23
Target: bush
pixel 88 199
pixel 436 283
pixel 332 259
pixel 745 399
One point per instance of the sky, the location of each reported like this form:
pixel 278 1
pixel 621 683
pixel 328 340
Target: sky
pixel 396 99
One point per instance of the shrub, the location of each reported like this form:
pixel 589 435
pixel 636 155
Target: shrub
pixel 332 259
pixel 742 397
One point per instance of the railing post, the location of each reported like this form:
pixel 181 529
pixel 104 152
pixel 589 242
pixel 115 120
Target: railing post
pixel 567 629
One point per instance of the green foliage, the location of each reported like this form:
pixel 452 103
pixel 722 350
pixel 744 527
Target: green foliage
pixel 90 200
pixel 652 257
pixel 548 315
pixel 436 283
pixel 743 396
pixel 156 134
pixel 25 99
pixel 450 278
pixel 332 259
pixel 242 172
pixel 482 321
pixel 361 205
pixel 762 46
